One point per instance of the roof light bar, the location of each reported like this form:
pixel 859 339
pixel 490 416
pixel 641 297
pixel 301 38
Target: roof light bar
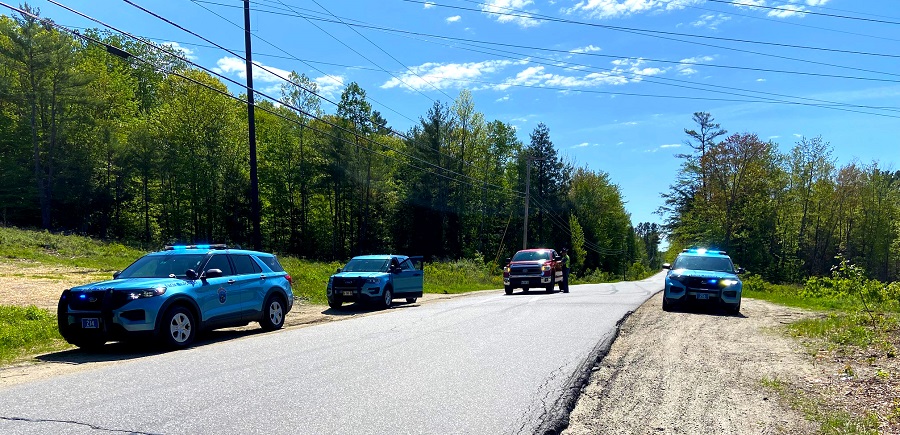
pixel 203 247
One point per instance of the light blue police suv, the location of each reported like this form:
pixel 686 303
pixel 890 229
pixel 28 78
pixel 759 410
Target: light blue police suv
pixel 377 279
pixel 703 276
pixel 172 295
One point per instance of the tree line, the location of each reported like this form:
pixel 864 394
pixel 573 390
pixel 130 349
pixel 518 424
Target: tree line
pixel 99 143
pixel 785 216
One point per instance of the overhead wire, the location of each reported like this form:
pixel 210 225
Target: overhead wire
pixel 783 9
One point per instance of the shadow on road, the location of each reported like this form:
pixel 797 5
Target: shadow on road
pixel 363 308
pixel 708 309
pixel 534 292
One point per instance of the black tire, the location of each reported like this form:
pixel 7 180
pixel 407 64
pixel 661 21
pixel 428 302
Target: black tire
pixel 549 288
pixel 273 313
pixel 177 328
pixel 734 309
pixel 666 305
pixel 387 298
pixel 508 290
pixel 525 289
pixel 335 302
pixel 411 300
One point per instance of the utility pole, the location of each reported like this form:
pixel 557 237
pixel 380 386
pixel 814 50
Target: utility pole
pixel 528 161
pixel 251 119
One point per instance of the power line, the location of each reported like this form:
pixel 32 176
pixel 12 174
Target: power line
pixel 522 14
pixel 783 9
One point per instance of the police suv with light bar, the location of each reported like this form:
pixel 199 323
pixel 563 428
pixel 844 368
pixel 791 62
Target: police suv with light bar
pixel 701 275
pixel 173 294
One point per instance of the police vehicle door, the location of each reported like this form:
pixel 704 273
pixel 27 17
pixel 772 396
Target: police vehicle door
pixel 410 277
pixel 216 297
pixel 249 287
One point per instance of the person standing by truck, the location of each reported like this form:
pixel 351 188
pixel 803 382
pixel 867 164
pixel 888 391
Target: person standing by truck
pixel 565 268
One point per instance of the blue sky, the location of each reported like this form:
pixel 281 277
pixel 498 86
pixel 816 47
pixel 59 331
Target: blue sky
pixel 616 81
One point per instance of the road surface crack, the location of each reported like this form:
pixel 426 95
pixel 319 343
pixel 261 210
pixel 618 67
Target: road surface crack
pixel 78 423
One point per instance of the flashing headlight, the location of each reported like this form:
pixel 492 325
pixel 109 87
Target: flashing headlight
pixel 149 293
pixel 372 280
pixel 728 282
pixel 505 269
pixel 545 268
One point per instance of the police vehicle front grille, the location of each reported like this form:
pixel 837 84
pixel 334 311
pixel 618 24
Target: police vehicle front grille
pixel 702 283
pixel 347 283
pixel 87 301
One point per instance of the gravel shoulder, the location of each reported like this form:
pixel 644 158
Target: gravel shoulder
pixel 696 372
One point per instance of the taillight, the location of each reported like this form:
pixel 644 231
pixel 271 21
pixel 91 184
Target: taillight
pixel 290 280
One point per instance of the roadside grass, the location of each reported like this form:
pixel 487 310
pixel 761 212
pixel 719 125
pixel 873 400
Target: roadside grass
pixel 816 409
pixel 27 331
pixel 46 248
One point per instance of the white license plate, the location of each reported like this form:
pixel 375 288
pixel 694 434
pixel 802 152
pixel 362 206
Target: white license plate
pixel 524 282
pixel 90 323
pixel 702 296
pixel 348 292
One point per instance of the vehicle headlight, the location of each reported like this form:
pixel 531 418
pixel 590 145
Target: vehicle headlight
pixel 545 268
pixel 149 293
pixel 675 277
pixel 728 282
pixel 372 280
pixel 505 269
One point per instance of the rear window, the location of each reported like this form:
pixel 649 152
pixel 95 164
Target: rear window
pixel 272 262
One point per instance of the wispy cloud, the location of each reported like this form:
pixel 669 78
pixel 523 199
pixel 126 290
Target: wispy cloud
pixel 787 11
pixel 587 49
pixel 186 52
pixel 686 66
pixel 511 11
pixel 233 65
pixel 581 145
pixel 503 98
pixel 711 21
pixel 429 5
pixel 601 9
pixel 760 80
pixel 453 19
pixel 670 145
pixel 330 85
pixel 447 75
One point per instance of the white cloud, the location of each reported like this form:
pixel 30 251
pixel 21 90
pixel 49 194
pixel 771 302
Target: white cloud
pixel 774 137
pixel 587 49
pixel 581 145
pixel 816 2
pixel 616 8
pixel 503 98
pixel 329 86
pixel 748 4
pixel 787 11
pixel 187 53
pixel 670 145
pixel 760 80
pixel 685 66
pixel 429 5
pixel 711 21
pixel 451 75
pixel 233 65
pixel 511 11
pixel 798 135
pixel 454 19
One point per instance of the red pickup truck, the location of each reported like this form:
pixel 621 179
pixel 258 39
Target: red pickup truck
pixel 533 268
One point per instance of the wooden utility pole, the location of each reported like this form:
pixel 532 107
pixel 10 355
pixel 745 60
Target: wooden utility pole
pixel 251 120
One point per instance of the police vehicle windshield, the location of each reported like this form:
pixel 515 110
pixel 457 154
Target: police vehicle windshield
pixel 367 265
pixel 163 266
pixel 715 264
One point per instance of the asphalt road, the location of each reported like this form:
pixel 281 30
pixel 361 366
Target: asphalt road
pixel 486 364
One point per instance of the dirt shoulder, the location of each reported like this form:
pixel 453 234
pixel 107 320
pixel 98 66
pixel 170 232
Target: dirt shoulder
pixel 698 372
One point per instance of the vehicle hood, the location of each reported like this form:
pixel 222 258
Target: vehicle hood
pixel 133 284
pixel 703 274
pixel 347 275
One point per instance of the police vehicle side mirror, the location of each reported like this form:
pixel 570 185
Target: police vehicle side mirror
pixel 212 273
pixel 338 270
pixel 557 258
pixel 667 266
pixel 396 269
pixel 116 274
pixel 740 270
pixel 191 274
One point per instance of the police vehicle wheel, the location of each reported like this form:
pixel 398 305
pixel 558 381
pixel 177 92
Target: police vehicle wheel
pixel 273 314
pixel 388 298
pixel 177 328
pixel 508 290
pixel 335 303
pixel 666 306
pixel 735 308
pixel 411 300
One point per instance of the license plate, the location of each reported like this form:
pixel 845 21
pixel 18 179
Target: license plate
pixel 702 296
pixel 524 282
pixel 90 323
pixel 348 292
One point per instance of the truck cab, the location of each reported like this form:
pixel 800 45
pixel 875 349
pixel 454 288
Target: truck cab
pixel 533 268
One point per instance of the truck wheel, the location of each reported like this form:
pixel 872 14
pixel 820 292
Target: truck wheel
pixel 335 302
pixel 388 298
pixel 508 290
pixel 411 300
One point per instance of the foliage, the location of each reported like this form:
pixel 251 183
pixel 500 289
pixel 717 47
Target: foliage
pixel 27 330
pixel 65 250
pixel 115 148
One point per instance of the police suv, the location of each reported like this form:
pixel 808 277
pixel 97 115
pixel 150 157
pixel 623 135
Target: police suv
pixel 703 276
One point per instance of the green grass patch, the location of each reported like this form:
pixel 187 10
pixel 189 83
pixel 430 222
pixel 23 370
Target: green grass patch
pixel 27 331
pixel 830 421
pixel 63 250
